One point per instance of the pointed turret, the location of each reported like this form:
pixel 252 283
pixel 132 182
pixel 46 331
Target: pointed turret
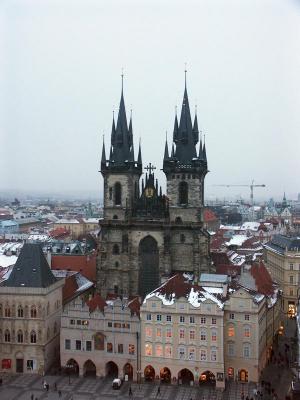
pixel 200 149
pixel 103 157
pixel 173 151
pixel 204 153
pixel 113 131
pixel 139 160
pixel 195 130
pixel 166 155
pixel 175 130
pixel 130 134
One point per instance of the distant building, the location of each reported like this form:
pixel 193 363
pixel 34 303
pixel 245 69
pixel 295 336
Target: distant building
pixel 8 226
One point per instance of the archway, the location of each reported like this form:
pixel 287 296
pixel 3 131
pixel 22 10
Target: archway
pixel 165 375
pixel 207 378
pixel 89 368
pixel 185 376
pixel 243 375
pixel 112 369
pixel 149 373
pixel 149 265
pixel 72 367
pixel 128 370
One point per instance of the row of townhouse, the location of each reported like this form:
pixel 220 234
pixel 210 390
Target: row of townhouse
pixel 182 333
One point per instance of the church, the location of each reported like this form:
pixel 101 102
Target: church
pixel 147 236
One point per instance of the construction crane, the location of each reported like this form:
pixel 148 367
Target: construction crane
pixel 251 189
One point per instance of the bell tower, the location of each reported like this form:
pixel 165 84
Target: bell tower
pixel 185 170
pixel 121 172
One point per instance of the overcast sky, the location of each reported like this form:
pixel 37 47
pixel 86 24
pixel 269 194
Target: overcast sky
pixel 60 81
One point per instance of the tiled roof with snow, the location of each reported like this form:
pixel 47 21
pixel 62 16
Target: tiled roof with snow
pixel 177 287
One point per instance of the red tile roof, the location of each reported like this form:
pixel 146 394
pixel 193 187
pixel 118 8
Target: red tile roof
pixel 85 264
pixel 228 269
pixel 96 302
pixel 134 306
pixel 209 215
pixel 263 280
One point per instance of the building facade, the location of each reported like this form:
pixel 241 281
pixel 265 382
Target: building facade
pixel 282 256
pixel 30 308
pixel 182 334
pixel 100 338
pixel 146 235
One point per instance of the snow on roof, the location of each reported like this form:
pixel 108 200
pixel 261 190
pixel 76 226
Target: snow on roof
pixel 38 237
pixel 219 278
pixel 213 290
pixel 67 221
pixel 7 261
pixel 90 220
pixel 237 240
pixel 252 226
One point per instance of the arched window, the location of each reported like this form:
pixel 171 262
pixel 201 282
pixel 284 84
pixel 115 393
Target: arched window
pixel 32 337
pixel 7 311
pixel 231 331
pixel 33 312
pixel 178 220
pixel 116 249
pixel 118 194
pixel 116 264
pixel 7 336
pixel 115 217
pixel 20 336
pixel 183 193
pixel 20 312
pixel 247 331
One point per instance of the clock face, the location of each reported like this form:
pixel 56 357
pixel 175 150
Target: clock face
pixel 149 192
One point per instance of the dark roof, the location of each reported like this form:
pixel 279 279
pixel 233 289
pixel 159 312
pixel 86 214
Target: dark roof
pixel 281 243
pixel 31 269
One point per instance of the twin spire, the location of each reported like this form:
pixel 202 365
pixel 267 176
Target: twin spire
pixel 122 148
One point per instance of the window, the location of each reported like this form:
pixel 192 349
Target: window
pixel 192 319
pixel 33 312
pixel 115 249
pixel 148 349
pixel 120 348
pixel 20 312
pixel 32 337
pixel 29 365
pixel 158 317
pixel 148 317
pixel 153 304
pixel 291 279
pixel 231 331
pixel 109 347
pixel 168 332
pixel 247 317
pixel 148 331
pixel 169 318
pixel 181 318
pixel 192 334
pixel 109 324
pixel 291 266
pixel 214 321
pixel 182 238
pixel 246 350
pixel 78 344
pixel 88 345
pixel 78 322
pixel 213 335
pixel 181 333
pixel 131 349
pixel 7 312
pixel 192 354
pixel 291 292
pixel 231 316
pixel 110 193
pixel 203 334
pixel 213 354
pixel 72 321
pixel 203 320
pixel 203 355
pixel 20 337
pixel 158 350
pixel 181 306
pixel 181 353
pixel 247 331
pixel 67 344
pixel 7 336
pixel 158 332
pixel 231 350
pixel 118 194
pixel 168 351
pixel 183 193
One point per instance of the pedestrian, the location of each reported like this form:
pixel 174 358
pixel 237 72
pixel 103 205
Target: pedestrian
pixel 242 396
pixel 32 397
pixel 47 387
pixel 55 386
pixel 158 391
pixel 130 391
pixel 59 393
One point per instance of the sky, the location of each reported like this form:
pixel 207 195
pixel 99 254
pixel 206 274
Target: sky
pixel 60 80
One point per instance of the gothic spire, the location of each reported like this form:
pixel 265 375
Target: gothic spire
pixel 175 131
pixel 200 148
pixel 113 130
pixel 139 160
pixel 166 155
pixel 195 128
pixel 204 152
pixel 103 158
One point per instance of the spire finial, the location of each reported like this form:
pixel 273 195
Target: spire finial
pixel 175 110
pixel 196 108
pixel 185 71
pixel 122 77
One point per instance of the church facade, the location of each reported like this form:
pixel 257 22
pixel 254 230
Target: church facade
pixel 147 236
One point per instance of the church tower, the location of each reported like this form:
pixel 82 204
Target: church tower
pixel 185 169
pixel 121 172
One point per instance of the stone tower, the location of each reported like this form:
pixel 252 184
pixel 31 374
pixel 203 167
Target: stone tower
pixel 147 236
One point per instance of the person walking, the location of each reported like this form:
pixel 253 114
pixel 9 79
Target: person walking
pixel 130 392
pixel 32 397
pixel 158 391
pixel 59 393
